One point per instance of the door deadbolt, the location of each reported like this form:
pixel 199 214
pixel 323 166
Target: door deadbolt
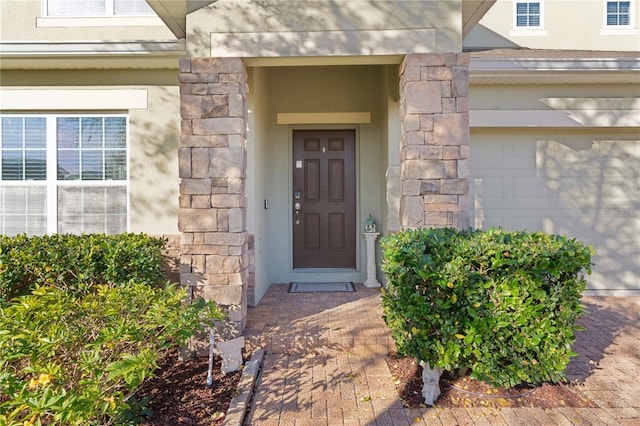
pixel 296 206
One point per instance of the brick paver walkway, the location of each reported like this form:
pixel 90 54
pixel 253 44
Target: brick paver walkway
pixel 325 364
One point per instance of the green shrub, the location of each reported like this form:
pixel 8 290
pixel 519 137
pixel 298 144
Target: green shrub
pixel 77 262
pixel 76 359
pixel 502 303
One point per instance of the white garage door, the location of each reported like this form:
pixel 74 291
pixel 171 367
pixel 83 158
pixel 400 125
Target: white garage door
pixel 582 184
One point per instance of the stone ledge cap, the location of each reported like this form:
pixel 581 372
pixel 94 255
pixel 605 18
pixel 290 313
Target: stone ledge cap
pixel 246 387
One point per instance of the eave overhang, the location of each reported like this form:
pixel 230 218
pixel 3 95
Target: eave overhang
pixel 174 13
pixel 472 12
pixel 137 54
pixel 575 70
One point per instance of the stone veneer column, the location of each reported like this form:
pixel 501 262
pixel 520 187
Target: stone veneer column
pixel 212 161
pixel 434 148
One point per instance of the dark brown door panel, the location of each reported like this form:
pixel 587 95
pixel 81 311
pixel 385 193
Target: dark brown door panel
pixel 324 199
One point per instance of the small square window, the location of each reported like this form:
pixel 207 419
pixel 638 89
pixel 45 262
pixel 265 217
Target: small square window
pixel 618 14
pixel 528 15
pixel 78 8
pixel 23 148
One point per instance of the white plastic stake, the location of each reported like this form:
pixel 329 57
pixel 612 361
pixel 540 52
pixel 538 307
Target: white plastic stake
pixel 212 340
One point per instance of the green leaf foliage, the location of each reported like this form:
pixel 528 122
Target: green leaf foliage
pixel 75 263
pixel 502 303
pixel 72 359
pixel 83 321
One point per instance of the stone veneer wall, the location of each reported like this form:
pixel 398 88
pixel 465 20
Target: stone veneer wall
pixel 434 148
pixel 171 255
pixel 212 161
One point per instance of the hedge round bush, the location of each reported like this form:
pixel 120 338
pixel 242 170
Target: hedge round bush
pixel 502 303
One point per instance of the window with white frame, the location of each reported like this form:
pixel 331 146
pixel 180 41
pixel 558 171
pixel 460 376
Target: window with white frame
pixel 64 174
pixel 76 8
pixel 528 15
pixel 618 14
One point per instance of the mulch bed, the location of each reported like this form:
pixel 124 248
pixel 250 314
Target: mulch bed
pixel 179 395
pixel 460 392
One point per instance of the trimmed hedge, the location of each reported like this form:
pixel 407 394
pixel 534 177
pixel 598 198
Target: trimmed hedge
pixel 502 303
pixel 77 359
pixel 76 263
pixel 83 321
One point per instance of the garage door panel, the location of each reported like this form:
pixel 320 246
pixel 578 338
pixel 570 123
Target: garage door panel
pixel 581 193
pixel 489 219
pixel 552 221
pixel 504 149
pixel 490 188
pixel 615 268
pixel 510 191
pixel 619 233
pixel 581 185
pixel 527 222
pixel 527 190
pixel 612 156
pixel 508 219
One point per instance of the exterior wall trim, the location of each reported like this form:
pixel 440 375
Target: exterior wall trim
pixel 84 99
pixel 107 21
pixel 91 48
pixel 322 43
pixel 555 118
pixel 553 70
pixel 324 118
pixel 553 64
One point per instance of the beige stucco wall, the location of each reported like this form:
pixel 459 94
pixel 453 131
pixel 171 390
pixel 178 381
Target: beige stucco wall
pixel 257 169
pixel 153 162
pixel 153 135
pixel 22 20
pixel 539 96
pixel 292 28
pixel 390 134
pixel 568 24
pixel 580 106
pixel 390 150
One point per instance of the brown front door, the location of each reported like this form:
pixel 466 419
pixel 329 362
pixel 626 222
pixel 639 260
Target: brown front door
pixel 324 199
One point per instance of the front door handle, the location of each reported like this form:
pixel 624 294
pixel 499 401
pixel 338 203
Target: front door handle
pixel 296 206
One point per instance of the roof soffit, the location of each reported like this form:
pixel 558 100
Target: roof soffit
pixel 555 67
pixel 174 12
pixel 472 12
